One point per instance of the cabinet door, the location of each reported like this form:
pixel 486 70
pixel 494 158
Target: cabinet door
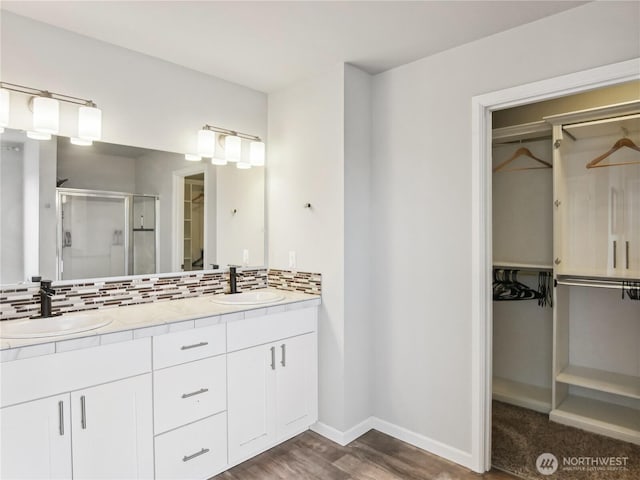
pixel 35 439
pixel 251 395
pixel 113 430
pixel 296 385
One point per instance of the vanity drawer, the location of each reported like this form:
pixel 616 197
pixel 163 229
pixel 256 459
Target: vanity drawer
pixel 189 392
pixel 188 345
pixel 37 377
pixel 270 328
pixel 196 451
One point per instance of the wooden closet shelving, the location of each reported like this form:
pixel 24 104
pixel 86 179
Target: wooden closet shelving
pixel 528 384
pixel 596 374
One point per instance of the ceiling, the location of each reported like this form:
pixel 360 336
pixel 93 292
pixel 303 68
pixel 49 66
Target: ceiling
pixel 269 45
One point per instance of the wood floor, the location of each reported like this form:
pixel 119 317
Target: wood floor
pixel 374 456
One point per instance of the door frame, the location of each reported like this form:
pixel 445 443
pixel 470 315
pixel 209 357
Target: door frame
pixel 177 200
pixel 482 107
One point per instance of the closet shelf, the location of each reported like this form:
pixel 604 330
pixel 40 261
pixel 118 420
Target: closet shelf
pixel 523 395
pixel 523 266
pixel 610 382
pixel 599 417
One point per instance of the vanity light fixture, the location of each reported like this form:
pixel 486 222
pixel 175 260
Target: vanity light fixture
pixel 81 142
pixel 230 142
pixel 233 148
pixel 256 153
pixel 38 135
pixel 46 113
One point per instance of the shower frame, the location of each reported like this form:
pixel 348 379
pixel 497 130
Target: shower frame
pixel 128 224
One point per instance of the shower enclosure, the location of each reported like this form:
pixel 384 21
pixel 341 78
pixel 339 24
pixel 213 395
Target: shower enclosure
pixel 105 234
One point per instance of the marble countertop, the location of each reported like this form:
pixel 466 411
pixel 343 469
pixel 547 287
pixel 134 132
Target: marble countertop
pixel 139 321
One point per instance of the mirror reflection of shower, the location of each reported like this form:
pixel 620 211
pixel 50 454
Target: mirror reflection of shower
pixel 105 233
pixel 193 223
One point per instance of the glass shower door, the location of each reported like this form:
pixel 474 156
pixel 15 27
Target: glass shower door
pixel 94 235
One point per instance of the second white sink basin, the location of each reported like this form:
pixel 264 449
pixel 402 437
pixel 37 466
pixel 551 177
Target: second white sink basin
pixel 51 326
pixel 248 298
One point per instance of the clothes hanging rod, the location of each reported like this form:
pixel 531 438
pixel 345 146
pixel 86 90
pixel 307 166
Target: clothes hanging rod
pixel 522 266
pixel 612 284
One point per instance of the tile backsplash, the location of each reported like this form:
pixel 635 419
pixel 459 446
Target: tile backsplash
pixel 296 281
pixel 24 301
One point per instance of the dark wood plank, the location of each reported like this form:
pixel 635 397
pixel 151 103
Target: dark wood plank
pixel 373 456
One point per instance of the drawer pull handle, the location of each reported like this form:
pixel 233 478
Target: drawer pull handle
pixel 626 255
pixel 283 362
pixel 273 358
pixel 61 416
pixel 195 345
pixel 202 390
pixel 83 413
pixel 186 458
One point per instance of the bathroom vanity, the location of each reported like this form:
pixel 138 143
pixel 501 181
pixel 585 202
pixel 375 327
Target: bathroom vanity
pixel 179 389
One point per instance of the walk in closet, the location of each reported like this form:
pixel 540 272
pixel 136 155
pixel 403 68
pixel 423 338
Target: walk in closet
pixel 566 254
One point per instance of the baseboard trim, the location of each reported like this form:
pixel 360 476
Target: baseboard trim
pixel 417 440
pixel 425 443
pixel 343 438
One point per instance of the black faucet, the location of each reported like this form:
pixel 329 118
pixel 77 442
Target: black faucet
pixel 46 292
pixel 233 277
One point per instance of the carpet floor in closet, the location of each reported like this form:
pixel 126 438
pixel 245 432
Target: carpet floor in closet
pixel 520 435
pixel 373 456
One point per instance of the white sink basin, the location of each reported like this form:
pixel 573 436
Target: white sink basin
pixel 52 326
pixel 248 298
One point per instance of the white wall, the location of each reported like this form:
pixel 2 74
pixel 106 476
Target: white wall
pixel 87 168
pixel 319 153
pixel 305 164
pixel 242 191
pixel 357 246
pixel 146 102
pixel 421 201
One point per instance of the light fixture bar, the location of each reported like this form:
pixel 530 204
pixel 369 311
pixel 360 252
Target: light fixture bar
pixel 226 131
pixel 46 93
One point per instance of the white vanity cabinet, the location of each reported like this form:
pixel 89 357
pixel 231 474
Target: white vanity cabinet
pixel 35 439
pixel 112 428
pixel 272 387
pixel 88 409
pixel 190 402
pixel 186 403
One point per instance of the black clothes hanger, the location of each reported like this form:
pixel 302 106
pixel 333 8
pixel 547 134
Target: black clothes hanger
pixel 632 289
pixel 506 287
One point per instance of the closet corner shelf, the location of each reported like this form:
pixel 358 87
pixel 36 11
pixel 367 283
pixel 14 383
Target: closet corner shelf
pixel 610 382
pixel 523 395
pixel 524 266
pixel 599 417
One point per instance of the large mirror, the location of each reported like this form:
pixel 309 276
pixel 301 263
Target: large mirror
pixel 70 212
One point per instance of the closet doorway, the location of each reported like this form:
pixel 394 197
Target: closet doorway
pixel 561 388
pixel 190 217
